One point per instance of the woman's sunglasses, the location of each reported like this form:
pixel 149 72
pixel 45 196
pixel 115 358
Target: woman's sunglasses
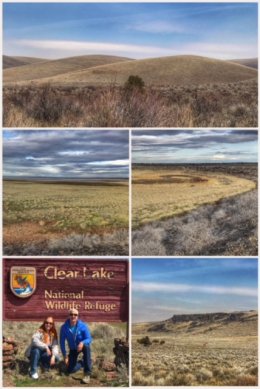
pixel 48 322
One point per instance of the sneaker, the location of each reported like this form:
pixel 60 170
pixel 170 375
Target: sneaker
pixel 85 379
pixel 35 376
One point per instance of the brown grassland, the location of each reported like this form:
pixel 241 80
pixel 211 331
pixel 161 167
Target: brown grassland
pixel 61 218
pixel 192 352
pixel 194 209
pixel 181 91
pixel 103 335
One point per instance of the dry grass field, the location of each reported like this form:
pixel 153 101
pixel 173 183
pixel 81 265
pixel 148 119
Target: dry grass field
pixel 180 91
pixel 59 67
pixel 194 209
pixel 102 347
pixel 10 62
pixel 218 351
pixel 65 218
pixel 162 193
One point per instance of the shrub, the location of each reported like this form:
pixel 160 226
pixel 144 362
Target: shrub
pixel 134 82
pixel 145 341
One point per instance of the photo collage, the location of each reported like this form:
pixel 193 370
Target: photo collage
pixel 130 194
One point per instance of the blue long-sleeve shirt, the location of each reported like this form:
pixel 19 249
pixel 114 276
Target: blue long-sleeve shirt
pixel 73 338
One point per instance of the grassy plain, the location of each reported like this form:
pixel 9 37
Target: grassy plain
pixel 196 354
pixel 200 209
pixel 102 347
pixel 160 193
pixel 65 217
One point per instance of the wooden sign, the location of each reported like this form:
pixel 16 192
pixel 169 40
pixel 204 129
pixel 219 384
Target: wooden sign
pixel 36 288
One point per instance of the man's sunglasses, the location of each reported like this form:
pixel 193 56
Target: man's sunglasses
pixel 73 314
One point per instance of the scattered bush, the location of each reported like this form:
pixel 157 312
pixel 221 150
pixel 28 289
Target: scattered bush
pixel 134 82
pixel 145 341
pixel 222 105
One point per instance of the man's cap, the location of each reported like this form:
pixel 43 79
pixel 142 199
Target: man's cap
pixel 74 310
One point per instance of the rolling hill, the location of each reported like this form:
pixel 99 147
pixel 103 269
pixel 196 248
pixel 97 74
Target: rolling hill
pixel 210 324
pixel 103 70
pixel 10 62
pixel 250 62
pixel 166 71
pixel 50 68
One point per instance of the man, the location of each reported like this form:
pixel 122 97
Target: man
pixel 78 338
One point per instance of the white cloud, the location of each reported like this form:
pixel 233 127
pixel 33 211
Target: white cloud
pixel 73 153
pixel 158 27
pixel 182 288
pixel 56 47
pixel 30 158
pixel 222 51
pixel 118 162
pixel 64 48
pixel 49 169
pixel 219 156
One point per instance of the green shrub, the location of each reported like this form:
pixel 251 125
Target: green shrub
pixel 145 341
pixel 134 82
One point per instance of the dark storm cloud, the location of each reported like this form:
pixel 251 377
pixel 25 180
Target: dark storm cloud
pixel 198 146
pixel 178 139
pixel 65 153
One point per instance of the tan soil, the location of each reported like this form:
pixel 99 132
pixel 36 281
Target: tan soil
pixel 28 233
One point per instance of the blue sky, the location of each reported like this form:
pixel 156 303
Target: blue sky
pixel 135 30
pixel 83 154
pixel 162 288
pixel 198 146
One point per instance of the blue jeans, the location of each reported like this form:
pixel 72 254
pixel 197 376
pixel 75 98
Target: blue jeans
pixel 74 365
pixel 38 355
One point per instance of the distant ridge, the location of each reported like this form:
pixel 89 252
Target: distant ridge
pixel 250 62
pixel 205 322
pixel 50 68
pixel 10 62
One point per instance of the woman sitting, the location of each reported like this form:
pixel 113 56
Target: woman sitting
pixel 43 348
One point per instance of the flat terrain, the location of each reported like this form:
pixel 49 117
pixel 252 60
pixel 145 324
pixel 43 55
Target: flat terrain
pixel 195 350
pixel 65 218
pixel 89 91
pixel 102 347
pixel 203 209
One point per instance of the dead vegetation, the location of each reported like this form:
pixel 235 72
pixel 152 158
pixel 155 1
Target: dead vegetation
pixel 115 243
pixel 221 105
pixel 224 227
pixel 197 352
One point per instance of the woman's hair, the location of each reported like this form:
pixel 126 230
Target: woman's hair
pixel 52 332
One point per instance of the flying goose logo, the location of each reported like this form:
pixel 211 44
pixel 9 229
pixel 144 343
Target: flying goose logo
pixel 23 281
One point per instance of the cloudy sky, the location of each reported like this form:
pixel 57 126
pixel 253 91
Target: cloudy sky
pixel 204 146
pixel 135 30
pixel 65 154
pixel 164 287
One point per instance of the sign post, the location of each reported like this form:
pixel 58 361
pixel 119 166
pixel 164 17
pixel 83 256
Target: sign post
pixel 36 288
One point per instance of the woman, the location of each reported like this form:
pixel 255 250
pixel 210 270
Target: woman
pixel 43 348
